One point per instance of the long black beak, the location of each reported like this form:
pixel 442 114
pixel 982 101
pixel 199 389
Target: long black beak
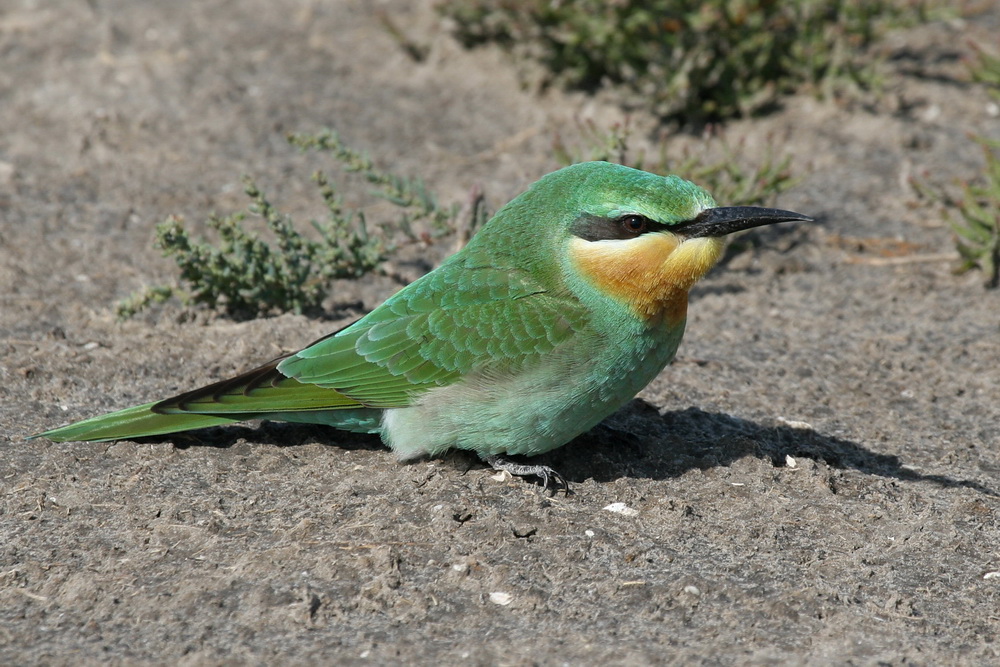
pixel 728 219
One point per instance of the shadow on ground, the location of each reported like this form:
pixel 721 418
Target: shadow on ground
pixel 660 446
pixel 638 442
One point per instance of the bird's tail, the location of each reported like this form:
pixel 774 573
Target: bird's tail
pixel 136 422
pixel 261 393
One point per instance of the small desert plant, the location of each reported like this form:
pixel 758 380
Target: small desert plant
pixel 985 69
pixel 975 218
pixel 977 223
pixel 692 59
pixel 977 228
pixel 247 276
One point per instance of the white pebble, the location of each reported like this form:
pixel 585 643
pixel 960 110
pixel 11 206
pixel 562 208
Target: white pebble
pixel 621 508
pixel 502 599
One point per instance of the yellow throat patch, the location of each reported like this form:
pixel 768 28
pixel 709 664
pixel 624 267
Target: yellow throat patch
pixel 651 274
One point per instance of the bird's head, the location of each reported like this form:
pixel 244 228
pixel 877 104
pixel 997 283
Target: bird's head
pixel 641 239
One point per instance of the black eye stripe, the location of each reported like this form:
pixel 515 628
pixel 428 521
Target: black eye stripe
pixel 624 227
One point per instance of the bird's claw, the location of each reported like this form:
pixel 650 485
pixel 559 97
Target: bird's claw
pixel 551 478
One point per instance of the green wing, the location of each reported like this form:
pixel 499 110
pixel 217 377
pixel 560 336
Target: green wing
pixel 453 321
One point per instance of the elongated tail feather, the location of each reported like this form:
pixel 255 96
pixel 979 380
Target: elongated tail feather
pixel 136 422
pixel 261 393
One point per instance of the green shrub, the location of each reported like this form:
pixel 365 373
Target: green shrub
pixel 692 59
pixel 247 276
pixel 977 227
pixel 975 217
pixel 985 69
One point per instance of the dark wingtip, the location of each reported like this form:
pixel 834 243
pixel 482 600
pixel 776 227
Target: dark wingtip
pixel 244 383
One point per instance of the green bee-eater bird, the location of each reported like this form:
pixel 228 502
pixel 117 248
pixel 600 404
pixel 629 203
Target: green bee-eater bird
pixel 570 300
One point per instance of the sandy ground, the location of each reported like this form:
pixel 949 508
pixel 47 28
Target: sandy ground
pixel 814 480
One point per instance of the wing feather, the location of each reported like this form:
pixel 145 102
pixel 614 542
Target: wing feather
pixel 456 320
pixel 462 318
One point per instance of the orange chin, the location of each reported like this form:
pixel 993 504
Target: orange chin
pixel 651 274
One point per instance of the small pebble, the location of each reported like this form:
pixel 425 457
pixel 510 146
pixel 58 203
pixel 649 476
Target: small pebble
pixel 502 599
pixel 621 508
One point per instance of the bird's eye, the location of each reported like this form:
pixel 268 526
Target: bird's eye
pixel 634 224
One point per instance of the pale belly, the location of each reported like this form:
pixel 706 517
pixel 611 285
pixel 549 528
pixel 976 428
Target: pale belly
pixel 533 410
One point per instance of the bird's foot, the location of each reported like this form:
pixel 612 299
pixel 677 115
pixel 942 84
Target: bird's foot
pixel 550 478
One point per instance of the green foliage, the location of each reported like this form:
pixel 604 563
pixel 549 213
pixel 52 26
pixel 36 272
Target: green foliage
pixel 410 195
pixel 692 59
pixel 975 217
pixel 977 224
pixel 977 229
pixel 716 165
pixel 986 70
pixel 247 276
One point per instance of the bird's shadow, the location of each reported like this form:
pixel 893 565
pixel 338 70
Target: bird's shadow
pixel 277 434
pixel 637 442
pixel 641 442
